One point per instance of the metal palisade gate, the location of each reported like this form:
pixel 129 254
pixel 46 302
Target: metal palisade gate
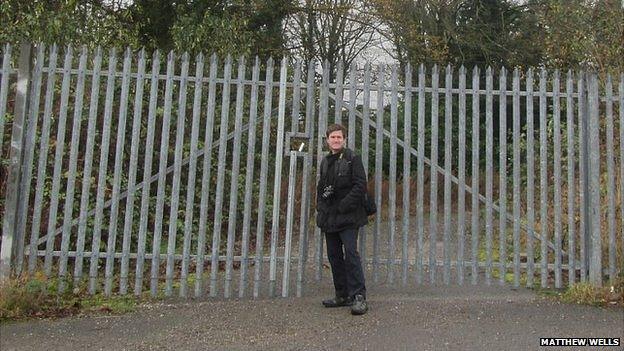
pixel 169 174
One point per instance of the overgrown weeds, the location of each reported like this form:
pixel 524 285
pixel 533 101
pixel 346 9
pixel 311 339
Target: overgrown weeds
pixel 584 293
pixel 35 296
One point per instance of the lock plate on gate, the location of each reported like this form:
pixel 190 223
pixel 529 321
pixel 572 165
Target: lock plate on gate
pixel 297 143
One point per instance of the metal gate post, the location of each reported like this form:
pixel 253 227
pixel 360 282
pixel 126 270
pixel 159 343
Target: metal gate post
pixel 278 176
pixel 595 248
pixel 290 208
pixel 15 161
pixel 585 219
pixel 28 148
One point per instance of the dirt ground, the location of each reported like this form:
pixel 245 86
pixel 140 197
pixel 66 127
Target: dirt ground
pixel 410 318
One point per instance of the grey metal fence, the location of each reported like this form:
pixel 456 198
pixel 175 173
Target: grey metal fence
pixel 145 152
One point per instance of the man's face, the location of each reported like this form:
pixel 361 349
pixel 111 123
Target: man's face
pixel 336 141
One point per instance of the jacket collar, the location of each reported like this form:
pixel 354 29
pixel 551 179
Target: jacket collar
pixel 340 154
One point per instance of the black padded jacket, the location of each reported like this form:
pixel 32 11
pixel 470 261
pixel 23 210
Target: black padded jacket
pixel 344 209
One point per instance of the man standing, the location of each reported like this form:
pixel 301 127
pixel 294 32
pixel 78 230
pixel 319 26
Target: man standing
pixel 340 214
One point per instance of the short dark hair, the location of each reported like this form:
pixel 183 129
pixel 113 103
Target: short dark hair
pixel 334 128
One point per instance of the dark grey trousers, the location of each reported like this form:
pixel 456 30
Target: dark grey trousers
pixel 345 263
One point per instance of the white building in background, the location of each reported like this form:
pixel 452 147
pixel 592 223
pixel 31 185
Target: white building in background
pixel 377 53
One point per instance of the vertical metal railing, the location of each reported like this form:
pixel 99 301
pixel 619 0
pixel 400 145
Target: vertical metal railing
pixel 423 130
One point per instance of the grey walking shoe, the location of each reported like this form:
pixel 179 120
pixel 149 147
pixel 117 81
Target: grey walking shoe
pixel 338 301
pixel 359 306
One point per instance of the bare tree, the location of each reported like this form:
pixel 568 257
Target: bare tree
pixel 336 31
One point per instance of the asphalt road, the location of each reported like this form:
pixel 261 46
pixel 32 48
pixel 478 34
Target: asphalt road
pixel 413 318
